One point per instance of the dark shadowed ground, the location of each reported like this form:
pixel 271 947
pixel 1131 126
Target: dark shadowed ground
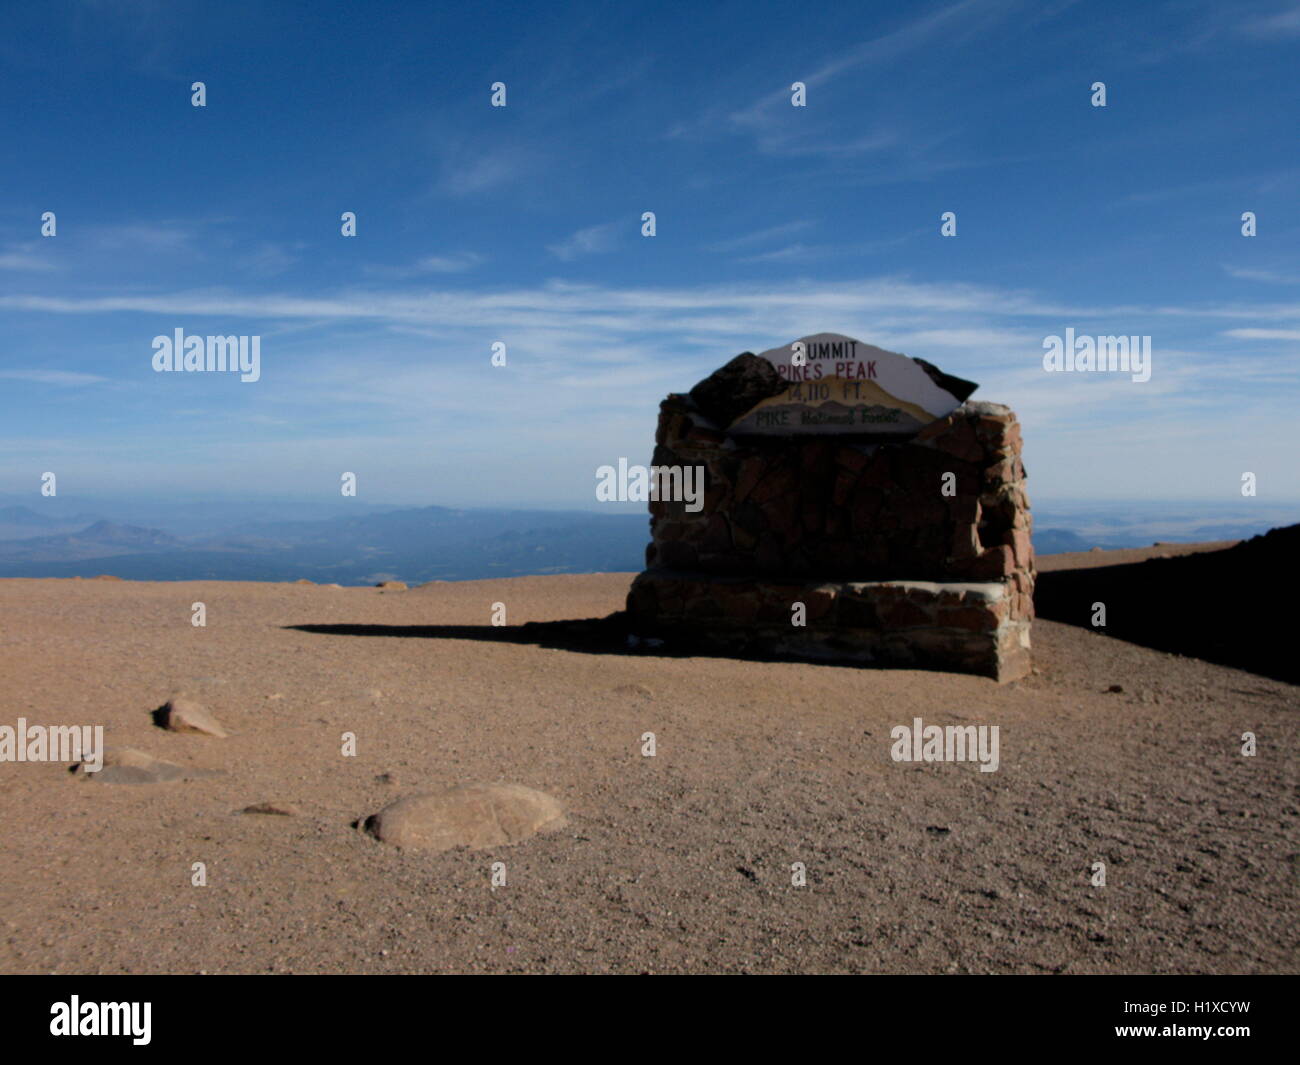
pixel 1233 604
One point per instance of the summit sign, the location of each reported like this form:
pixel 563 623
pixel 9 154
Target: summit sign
pixel 851 505
pixel 837 384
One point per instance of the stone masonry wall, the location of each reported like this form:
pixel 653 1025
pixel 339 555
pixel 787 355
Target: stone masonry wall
pixel 911 624
pixel 819 507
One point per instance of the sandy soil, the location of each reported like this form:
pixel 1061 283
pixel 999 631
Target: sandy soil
pixel 676 863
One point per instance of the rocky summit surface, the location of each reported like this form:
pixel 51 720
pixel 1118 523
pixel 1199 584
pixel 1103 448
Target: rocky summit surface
pixel 341 702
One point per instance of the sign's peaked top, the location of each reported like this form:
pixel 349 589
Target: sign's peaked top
pixel 838 384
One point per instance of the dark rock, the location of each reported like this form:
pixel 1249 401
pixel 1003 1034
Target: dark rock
pixel 736 388
pixel 959 388
pixel 185 715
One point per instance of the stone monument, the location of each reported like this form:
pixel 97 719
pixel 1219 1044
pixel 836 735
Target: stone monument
pixel 858 507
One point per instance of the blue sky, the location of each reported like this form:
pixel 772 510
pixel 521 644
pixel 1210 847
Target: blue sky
pixel 523 225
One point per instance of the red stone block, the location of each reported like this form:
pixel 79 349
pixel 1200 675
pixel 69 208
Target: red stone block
pixel 994 564
pixel 960 442
pixel 851 459
pixel 936 429
pixel 1022 547
pixel 904 614
pixel 969 618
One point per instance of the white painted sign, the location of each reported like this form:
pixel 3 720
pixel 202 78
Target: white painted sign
pixel 842 385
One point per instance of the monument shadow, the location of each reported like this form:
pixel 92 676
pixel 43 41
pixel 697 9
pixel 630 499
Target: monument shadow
pixel 1224 606
pixel 1173 605
pixel 611 635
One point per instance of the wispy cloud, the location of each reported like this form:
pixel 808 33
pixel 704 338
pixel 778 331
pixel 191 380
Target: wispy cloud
pixel 1264 334
pixel 449 264
pixel 1283 23
pixel 557 303
pixel 268 260
pixel 25 257
pixel 800 253
pixel 160 237
pixel 721 314
pixel 453 263
pixel 54 377
pixel 474 164
pixel 1270 277
pixel 594 240
pixel 777 128
pixel 588 363
pixel 463 177
pixel 759 237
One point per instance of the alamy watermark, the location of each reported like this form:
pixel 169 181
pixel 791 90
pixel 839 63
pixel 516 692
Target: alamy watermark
pixel 239 354
pixel 53 743
pixel 75 1017
pixel 1073 353
pixel 637 484
pixel 946 743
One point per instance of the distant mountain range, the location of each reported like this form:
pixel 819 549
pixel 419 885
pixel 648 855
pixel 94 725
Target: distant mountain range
pixel 331 544
pixel 101 539
pixel 415 545
pixel 18 522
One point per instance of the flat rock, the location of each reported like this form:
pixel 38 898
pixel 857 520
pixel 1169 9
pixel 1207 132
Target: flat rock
pixel 469 815
pixel 126 765
pixel 185 715
pixel 276 809
pixel 633 689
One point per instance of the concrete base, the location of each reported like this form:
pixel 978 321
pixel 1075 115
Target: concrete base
pixel 958 626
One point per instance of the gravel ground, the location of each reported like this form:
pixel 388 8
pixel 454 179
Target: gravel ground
pixel 679 862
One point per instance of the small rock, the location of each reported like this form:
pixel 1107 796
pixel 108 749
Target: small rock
pixel 388 778
pixel 303 580
pixel 1094 549
pixel 278 809
pixel 1115 688
pixel 392 586
pixel 126 765
pixel 633 689
pixel 470 815
pixel 185 715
